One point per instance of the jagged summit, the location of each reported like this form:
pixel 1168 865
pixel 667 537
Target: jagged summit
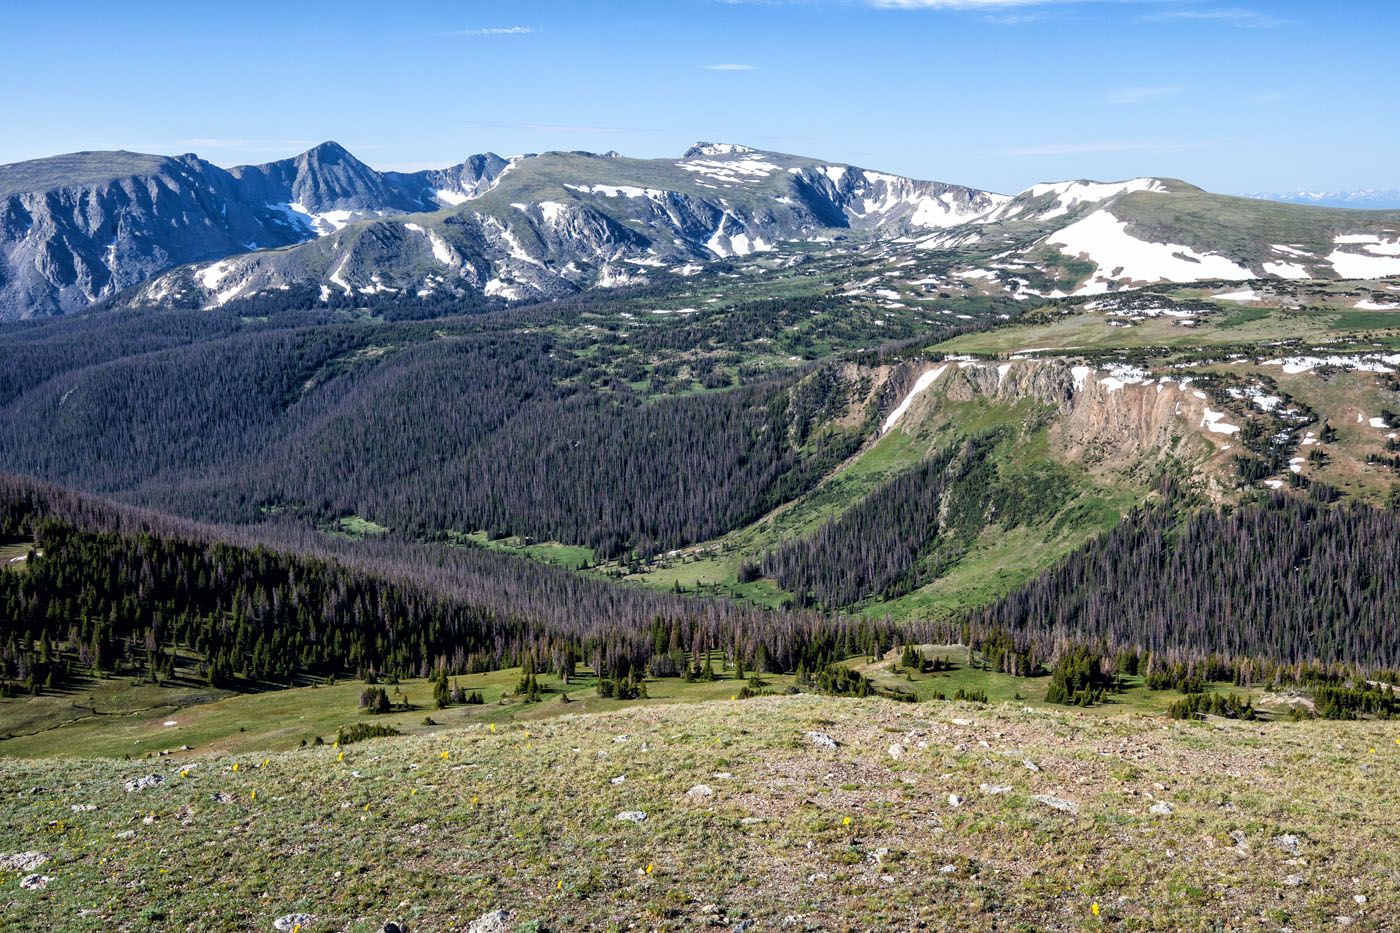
pixel 716 149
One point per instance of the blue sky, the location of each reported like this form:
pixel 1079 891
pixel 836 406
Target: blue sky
pixel 1232 95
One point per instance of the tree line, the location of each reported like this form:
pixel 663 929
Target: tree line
pixel 122 589
pixel 1292 581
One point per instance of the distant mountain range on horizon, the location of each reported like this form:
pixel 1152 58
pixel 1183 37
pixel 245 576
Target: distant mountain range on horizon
pixel 1362 199
pixel 324 227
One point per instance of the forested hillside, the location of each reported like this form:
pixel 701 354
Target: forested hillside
pixel 113 588
pixel 1291 580
pixel 911 529
pixel 420 430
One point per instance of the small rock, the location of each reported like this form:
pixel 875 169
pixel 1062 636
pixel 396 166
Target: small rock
pixel 700 791
pixel 141 783
pixel 743 926
pixel 995 789
pixel 83 807
pixel 822 739
pixel 22 861
pixel 497 921
pixel 221 797
pixel 1057 803
pixel 621 778
pixel 126 834
pixel 751 820
pixel 1160 808
pixel 1360 899
pixel 1031 765
pixel 962 722
pixel 34 882
pixel 1293 880
pixel 948 870
pixel 632 816
pixel 723 775
pixel 1288 842
pixel 879 855
pixel 1241 845
pixel 288 922
pixel 954 800
pixel 896 751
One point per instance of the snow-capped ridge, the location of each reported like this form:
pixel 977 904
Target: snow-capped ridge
pixel 716 149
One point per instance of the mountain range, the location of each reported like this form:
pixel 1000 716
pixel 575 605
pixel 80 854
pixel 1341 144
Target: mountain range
pixel 161 231
pixel 80 227
pixel 1363 199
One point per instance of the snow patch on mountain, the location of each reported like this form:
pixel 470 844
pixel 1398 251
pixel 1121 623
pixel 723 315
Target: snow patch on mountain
pixel 733 171
pixel 1068 195
pixel 1287 270
pixel 921 384
pixel 1104 240
pixel 442 252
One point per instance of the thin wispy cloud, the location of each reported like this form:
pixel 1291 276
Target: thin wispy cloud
pixel 1229 16
pixel 730 66
pixel 1013 19
pixel 567 129
pixel 1090 148
pixel 492 31
pixel 1016 12
pixel 1128 96
pixel 220 142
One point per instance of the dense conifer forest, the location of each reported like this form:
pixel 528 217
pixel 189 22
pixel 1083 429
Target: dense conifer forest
pixel 117 587
pixel 1291 580
pixel 496 421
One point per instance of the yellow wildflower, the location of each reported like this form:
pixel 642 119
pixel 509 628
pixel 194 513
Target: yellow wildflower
pixel 446 755
pixel 235 767
pixel 1094 908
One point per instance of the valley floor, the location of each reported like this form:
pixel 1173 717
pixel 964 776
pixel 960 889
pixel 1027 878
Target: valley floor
pixel 945 816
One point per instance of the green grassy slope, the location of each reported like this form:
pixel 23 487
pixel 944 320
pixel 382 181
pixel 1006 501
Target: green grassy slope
pixel 746 819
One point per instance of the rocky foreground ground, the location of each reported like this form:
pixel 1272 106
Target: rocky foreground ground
pixel 792 813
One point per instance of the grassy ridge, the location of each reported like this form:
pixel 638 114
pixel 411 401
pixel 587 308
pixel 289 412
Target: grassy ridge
pixel 437 829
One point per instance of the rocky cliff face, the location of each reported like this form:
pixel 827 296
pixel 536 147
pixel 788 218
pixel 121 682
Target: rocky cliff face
pixel 1119 419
